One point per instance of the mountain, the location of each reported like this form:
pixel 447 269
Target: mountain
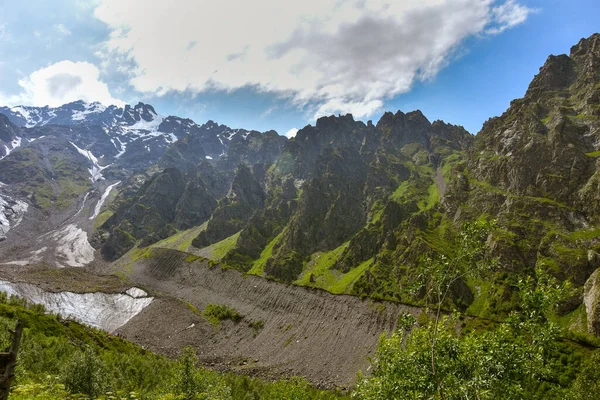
pixel 64 163
pixel 345 206
pixel 353 208
pixel 343 199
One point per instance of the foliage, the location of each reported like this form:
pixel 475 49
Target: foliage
pixel 193 383
pixel 85 373
pixel 587 384
pixel 216 313
pixel 509 360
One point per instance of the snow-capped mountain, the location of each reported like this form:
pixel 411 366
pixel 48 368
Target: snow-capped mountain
pixel 124 127
pixel 59 166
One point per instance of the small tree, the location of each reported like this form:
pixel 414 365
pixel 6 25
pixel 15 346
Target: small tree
pixel 188 384
pixel 438 275
pixel 193 384
pixel 85 374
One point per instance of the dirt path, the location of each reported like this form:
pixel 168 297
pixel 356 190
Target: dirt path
pixel 297 331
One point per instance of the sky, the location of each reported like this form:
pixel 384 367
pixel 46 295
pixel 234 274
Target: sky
pixel 272 64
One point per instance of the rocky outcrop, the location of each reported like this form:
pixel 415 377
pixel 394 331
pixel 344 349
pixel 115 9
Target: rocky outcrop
pixel 8 133
pixel 234 210
pixel 163 204
pixel 591 299
pixel 195 205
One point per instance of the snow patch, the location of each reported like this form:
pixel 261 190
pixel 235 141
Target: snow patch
pixel 11 213
pixel 73 246
pixel 136 293
pixel 122 149
pixel 208 157
pixel 26 115
pixel 103 199
pixel 36 138
pixel 13 145
pixel 90 108
pixel 96 170
pixel 143 125
pixel 101 310
pixel 171 138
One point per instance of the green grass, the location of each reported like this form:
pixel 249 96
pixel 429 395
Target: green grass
pixel 258 267
pixel 320 268
pixel 192 257
pixel 220 249
pixel 448 162
pixel 490 188
pixel 482 291
pixel 182 240
pixel 324 276
pixel 593 154
pixel 432 199
pixel 102 218
pixel 400 192
pixel 345 283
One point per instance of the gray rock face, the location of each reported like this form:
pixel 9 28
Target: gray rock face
pixel 163 204
pixel 591 299
pixel 234 210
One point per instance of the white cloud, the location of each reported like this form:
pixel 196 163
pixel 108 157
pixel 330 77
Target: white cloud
pixel 291 133
pixel 508 15
pixel 61 83
pixel 325 55
pixel 62 30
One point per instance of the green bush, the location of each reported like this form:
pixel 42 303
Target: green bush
pixel 85 373
pixel 216 313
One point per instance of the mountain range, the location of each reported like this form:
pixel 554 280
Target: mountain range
pixel 345 206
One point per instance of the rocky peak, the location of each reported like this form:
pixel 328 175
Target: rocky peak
pixel 454 136
pixel 140 111
pixel 587 46
pixel 557 73
pixel 332 130
pixel 246 188
pixel 245 197
pixel 332 122
pixel 400 129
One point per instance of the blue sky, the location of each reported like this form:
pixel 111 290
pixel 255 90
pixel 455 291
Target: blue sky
pixel 262 66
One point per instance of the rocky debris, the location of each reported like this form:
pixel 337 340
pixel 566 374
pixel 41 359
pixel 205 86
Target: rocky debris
pixel 301 328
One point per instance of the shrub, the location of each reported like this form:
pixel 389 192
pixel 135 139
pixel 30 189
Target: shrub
pixel 216 313
pixel 85 373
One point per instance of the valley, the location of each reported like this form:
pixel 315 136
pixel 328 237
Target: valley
pixel 310 248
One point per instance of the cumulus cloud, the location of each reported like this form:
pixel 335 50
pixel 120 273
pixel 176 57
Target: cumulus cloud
pixel 291 133
pixel 61 83
pixel 325 56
